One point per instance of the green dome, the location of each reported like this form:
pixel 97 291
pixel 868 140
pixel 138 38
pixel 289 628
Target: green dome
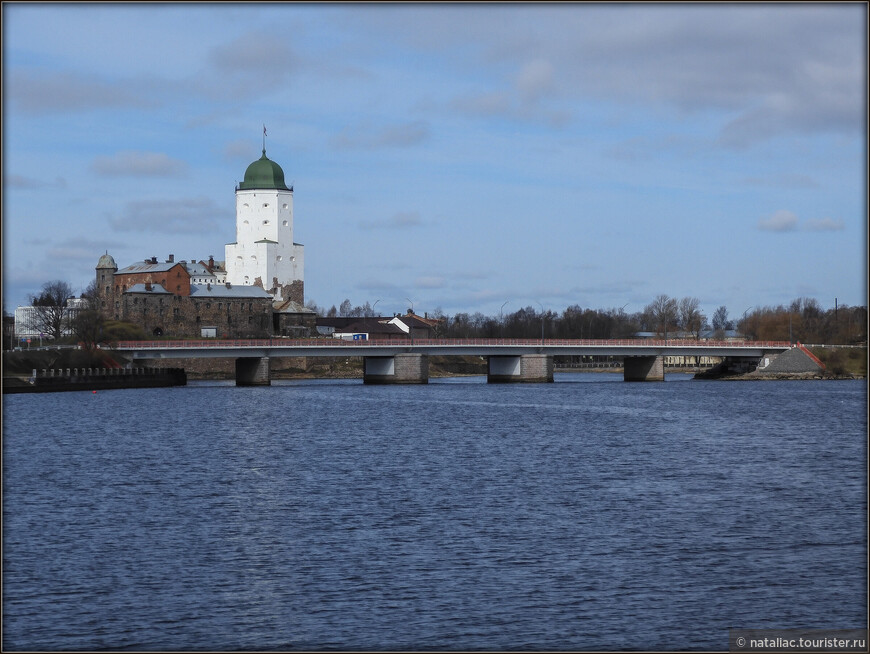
pixel 264 174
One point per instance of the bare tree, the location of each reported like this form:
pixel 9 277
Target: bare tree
pixel 51 317
pixel 663 312
pixel 87 323
pixel 720 319
pixel 691 318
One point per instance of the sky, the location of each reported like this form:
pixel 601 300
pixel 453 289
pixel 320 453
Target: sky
pixel 450 157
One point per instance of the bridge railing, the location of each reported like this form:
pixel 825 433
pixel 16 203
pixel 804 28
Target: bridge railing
pixel 335 342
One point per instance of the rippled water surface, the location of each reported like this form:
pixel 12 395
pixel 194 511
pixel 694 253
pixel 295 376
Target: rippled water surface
pixel 585 514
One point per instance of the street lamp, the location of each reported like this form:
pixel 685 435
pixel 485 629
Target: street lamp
pixel 743 320
pixel 501 319
pixel 374 305
pixel 412 304
pixel 542 321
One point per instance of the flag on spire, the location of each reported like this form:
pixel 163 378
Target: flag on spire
pixel 264 130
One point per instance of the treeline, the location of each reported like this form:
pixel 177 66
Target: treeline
pixel 802 320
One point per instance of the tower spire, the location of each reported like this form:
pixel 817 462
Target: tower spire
pixel 264 140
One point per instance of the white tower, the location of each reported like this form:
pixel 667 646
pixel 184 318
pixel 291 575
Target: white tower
pixel 264 253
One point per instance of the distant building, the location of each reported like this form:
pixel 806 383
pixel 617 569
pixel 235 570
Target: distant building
pixel 27 322
pixel 9 332
pixel 398 327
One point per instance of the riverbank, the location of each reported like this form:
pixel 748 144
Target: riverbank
pixel 95 380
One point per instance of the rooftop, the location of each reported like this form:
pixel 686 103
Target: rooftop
pixel 264 174
pixel 227 290
pixel 148 266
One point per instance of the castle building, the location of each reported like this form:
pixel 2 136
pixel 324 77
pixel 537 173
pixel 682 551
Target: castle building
pixel 255 293
pixel 264 253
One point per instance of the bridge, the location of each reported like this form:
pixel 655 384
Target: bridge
pixel 407 361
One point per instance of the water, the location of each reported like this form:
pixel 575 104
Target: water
pixel 583 514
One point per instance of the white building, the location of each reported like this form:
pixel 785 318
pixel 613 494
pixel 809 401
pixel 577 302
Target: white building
pixel 27 321
pixel 264 253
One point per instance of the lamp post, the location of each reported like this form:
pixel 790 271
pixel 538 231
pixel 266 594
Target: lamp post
pixel 374 305
pixel 542 321
pixel 743 320
pixel 501 319
pixel 411 327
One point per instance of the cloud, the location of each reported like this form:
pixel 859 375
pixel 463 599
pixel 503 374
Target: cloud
pixel 781 221
pixel 823 225
pixel 69 92
pixel 258 57
pixel 377 285
pixel 401 220
pixel 493 103
pixel 783 181
pixel 22 182
pixel 80 250
pixel 429 282
pixel 239 150
pixel 645 148
pixel 138 164
pixel 786 221
pixel 522 98
pixel 191 216
pixel 534 80
pixel 761 70
pixel 367 137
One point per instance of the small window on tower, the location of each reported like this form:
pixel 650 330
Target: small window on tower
pixel 278 258
pixel 286 223
pixel 265 222
pixel 285 205
pixel 244 222
pixel 265 204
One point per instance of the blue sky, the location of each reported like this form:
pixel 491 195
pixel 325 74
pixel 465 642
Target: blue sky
pixel 457 156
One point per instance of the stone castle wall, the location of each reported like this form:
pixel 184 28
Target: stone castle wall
pixel 164 314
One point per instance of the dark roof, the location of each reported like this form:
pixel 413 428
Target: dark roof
pixel 289 306
pixel 344 321
pixel 148 267
pixel 224 290
pixel 413 320
pixel 140 288
pixel 370 326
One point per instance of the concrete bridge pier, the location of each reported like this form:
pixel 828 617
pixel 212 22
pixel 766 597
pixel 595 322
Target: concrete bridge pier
pixel 398 369
pixel 644 369
pixel 527 368
pixel 253 371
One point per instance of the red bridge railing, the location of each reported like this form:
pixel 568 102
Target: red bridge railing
pixel 335 342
